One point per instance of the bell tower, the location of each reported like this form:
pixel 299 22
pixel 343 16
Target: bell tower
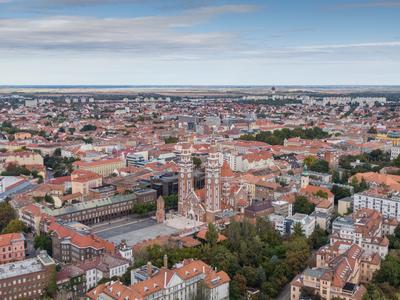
pixel 185 180
pixel 213 183
pixel 305 178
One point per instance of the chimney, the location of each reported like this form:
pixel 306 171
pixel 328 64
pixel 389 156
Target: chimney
pixel 165 261
pixel 149 269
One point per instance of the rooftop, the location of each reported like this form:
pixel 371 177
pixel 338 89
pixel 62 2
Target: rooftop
pixel 27 266
pixel 89 205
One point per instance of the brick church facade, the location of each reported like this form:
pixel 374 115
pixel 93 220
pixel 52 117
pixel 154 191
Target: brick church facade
pixel 222 191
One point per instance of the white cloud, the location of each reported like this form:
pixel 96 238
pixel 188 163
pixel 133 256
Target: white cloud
pixel 371 4
pixel 163 35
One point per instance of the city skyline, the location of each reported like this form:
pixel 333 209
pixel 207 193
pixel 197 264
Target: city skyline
pixel 134 42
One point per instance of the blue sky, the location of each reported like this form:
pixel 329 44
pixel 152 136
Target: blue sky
pixel 199 42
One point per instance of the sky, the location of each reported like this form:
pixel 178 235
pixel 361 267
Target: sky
pixel 199 42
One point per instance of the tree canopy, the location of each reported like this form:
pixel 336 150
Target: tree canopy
pixel 254 255
pixel 277 137
pixel 302 205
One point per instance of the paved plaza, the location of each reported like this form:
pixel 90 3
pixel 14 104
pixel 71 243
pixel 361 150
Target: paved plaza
pixel 134 232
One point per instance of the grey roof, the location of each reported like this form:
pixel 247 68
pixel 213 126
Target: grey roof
pixel 27 266
pixel 315 272
pixel 89 205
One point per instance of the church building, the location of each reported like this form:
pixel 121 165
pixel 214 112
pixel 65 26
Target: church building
pixel 222 191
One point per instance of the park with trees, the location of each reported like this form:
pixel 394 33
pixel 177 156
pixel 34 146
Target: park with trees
pixel 277 137
pixel 254 256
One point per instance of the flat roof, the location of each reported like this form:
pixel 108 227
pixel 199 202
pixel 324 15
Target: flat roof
pixel 27 266
pixel 89 205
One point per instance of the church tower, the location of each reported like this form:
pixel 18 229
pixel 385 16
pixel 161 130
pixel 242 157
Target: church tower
pixel 226 181
pixel 213 184
pixel 185 180
pixel 305 178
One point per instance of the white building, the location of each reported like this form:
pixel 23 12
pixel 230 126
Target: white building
pixel 105 266
pixel 388 204
pixel 365 228
pixel 286 225
pixel 307 223
pixel 395 150
pixel 181 282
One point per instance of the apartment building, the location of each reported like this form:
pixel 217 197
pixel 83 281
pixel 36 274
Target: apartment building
pixel 82 181
pixel 12 247
pixel 70 246
pixel 285 225
pixel 339 277
pixel 102 266
pixel 26 278
pixel 365 229
pixel 181 282
pixel 380 199
pixel 21 158
pixel 71 283
pixel 103 167
pixel 395 150
pixel 370 263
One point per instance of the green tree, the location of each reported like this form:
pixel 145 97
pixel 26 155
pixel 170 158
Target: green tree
pixel 396 161
pixel 318 238
pixel 49 199
pixel 237 287
pixel 322 194
pixel 310 160
pixel 88 127
pixel 320 166
pixel 302 205
pixel 389 271
pixel 171 140
pixel 212 235
pixel 14 226
pixel 43 242
pixel 7 214
pixel 171 201
pixel 298 229
pixel 340 192
pixel 197 162
pixel 374 293
pixel 51 289
pixel 57 152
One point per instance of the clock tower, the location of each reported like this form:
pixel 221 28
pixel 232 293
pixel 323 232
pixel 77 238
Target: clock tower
pixel 185 180
pixel 213 183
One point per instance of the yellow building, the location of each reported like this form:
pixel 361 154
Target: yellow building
pixel 83 180
pixel 103 167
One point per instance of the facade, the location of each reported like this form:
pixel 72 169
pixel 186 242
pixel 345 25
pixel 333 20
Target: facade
pixel 102 266
pixel 365 229
pixel 104 167
pixel 385 202
pixel 95 211
pixel 395 150
pixel 71 283
pixel 70 246
pixel 27 278
pixel 22 158
pixel 285 225
pixel 12 247
pixel 307 223
pixel 220 193
pixel 82 181
pixel 337 274
pixel 184 281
